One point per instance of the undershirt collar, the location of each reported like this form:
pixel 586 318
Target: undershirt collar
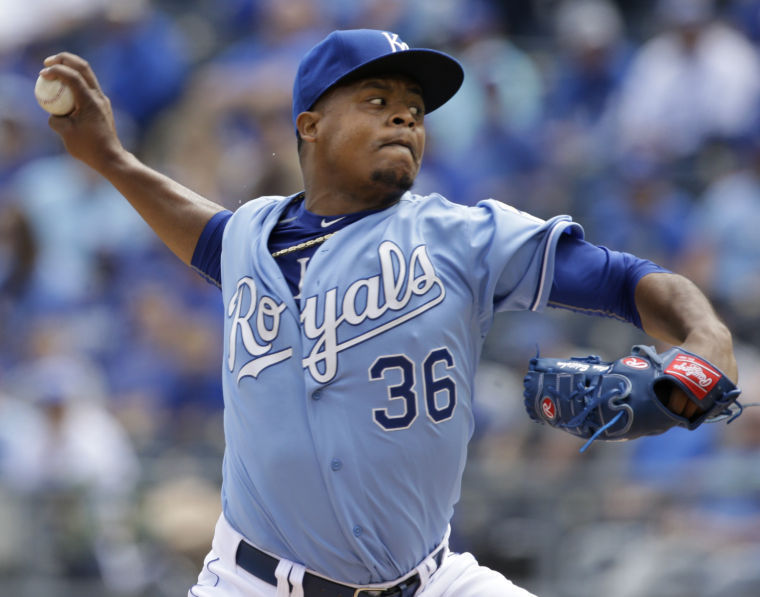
pixel 297 226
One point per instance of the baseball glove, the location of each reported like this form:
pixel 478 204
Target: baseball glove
pixel 622 400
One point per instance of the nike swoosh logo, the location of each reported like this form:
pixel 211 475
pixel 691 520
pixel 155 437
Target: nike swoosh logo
pixel 326 223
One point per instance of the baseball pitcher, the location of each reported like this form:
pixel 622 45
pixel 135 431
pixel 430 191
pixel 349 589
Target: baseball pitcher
pixel 355 312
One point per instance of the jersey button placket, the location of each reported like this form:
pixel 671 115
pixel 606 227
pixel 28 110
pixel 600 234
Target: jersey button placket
pixel 336 464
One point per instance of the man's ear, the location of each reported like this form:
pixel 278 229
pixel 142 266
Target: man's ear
pixel 306 123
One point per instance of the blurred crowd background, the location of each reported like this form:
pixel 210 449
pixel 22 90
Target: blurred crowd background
pixel 639 118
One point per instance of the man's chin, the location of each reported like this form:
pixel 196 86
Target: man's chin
pixel 393 183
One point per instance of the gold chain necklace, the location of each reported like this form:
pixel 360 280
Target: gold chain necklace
pixel 303 245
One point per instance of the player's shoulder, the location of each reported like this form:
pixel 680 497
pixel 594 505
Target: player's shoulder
pixel 264 203
pixel 253 214
pixel 258 209
pixel 417 200
pixel 435 201
pixel 488 216
pixel 435 204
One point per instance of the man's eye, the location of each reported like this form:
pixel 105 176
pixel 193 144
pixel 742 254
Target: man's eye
pixel 415 110
pixel 377 101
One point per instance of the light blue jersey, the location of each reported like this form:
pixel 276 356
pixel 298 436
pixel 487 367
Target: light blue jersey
pixel 347 421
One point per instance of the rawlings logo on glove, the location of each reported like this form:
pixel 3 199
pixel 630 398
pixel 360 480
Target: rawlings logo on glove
pixel 625 399
pixel 695 373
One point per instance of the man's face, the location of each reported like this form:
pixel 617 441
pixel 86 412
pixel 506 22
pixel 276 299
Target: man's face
pixel 371 135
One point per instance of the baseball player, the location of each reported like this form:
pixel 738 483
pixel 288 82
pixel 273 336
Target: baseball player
pixel 355 312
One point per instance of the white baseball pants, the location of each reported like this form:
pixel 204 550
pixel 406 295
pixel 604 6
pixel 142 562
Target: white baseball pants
pixel 458 576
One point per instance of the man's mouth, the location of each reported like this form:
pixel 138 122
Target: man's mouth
pixel 404 144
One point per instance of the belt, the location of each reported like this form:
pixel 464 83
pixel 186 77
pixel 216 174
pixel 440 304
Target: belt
pixel 262 566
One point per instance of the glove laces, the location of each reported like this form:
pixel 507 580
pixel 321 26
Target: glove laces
pixel 733 410
pixel 581 419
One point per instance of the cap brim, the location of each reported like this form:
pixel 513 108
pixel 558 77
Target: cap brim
pixel 439 75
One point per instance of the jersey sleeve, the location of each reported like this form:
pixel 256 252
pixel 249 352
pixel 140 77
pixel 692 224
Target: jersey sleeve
pixel 513 259
pixel 207 257
pixel 597 281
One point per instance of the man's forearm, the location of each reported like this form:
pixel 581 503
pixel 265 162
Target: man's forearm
pixel 174 212
pixel 674 310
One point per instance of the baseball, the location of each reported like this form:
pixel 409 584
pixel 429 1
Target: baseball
pixel 54 96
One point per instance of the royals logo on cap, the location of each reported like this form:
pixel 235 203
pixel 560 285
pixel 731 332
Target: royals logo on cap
pixel 396 44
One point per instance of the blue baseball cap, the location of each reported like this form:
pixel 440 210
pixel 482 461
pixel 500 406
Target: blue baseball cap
pixel 360 53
